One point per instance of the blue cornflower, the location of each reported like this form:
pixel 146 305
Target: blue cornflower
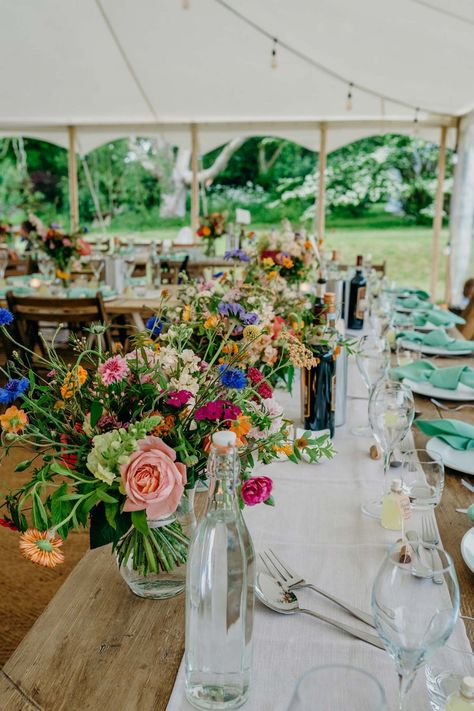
pixel 6 317
pixel 154 325
pixel 13 389
pixel 231 309
pixel 237 254
pixel 250 318
pixel 232 377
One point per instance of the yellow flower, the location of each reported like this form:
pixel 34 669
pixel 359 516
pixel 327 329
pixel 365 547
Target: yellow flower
pixel 13 420
pixel 251 332
pixel 211 322
pixel 284 449
pixel 59 404
pixel 73 382
pixel 41 547
pixel 287 262
pixel 272 275
pixel 62 275
pixel 230 347
pixel 187 313
pixel 268 262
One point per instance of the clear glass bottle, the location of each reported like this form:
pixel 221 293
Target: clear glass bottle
pixel 220 590
pixel 462 700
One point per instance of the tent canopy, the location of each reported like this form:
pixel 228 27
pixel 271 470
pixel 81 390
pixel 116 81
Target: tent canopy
pixel 118 67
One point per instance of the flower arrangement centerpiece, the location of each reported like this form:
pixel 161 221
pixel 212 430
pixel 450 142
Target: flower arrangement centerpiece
pixel 119 440
pixel 287 254
pixel 61 248
pixel 211 227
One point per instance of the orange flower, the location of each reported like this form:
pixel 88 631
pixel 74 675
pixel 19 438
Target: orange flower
pixel 284 449
pixel 301 442
pixel 59 404
pixel 287 262
pixel 73 381
pixel 13 420
pixel 164 427
pixel 272 275
pixel 211 322
pixel 308 244
pixel 187 313
pixel 41 547
pixel 230 347
pixel 206 231
pixel 62 275
pixel 241 426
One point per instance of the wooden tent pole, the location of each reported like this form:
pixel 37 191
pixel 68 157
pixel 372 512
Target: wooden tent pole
pixel 72 174
pixel 438 215
pixel 321 196
pixel 448 287
pixel 194 183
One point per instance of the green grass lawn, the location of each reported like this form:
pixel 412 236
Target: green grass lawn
pixel 406 249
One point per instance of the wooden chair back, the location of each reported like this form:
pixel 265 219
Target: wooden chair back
pixel 467 329
pixel 19 267
pixel 378 267
pixel 30 311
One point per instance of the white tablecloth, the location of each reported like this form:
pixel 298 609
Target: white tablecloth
pixel 317 526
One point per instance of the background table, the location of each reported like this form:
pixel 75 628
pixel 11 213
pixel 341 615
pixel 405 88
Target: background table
pixel 99 647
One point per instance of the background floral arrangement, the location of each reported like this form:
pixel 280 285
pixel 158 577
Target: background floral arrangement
pixel 287 254
pixel 61 248
pixel 117 438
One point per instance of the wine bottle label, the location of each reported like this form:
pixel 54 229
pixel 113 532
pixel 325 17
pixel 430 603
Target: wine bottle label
pixel 360 305
pixel 333 393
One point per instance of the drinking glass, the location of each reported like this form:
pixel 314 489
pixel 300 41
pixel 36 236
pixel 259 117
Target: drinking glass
pixel 406 356
pixel 422 478
pixel 129 261
pixel 381 315
pixel 96 263
pixel 373 360
pixel 338 686
pixel 391 412
pixel 47 268
pixel 413 616
pixel 3 262
pixel 450 664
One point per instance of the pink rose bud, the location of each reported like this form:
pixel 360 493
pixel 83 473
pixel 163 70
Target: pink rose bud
pixel 256 490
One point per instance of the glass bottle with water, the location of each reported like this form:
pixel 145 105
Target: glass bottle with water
pixel 220 590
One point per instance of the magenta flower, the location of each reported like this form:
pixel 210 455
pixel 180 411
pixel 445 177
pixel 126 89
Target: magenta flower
pixel 218 410
pixel 256 490
pixel 114 370
pixel 178 398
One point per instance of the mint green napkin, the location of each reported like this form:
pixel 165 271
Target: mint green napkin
pixel 458 434
pixel 438 317
pixel 413 302
pixel 446 378
pixel 437 339
pixel 406 291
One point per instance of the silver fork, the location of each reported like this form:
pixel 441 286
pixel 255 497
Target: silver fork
pixel 290 580
pixel 449 408
pixel 429 536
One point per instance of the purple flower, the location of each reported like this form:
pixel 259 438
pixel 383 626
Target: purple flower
pixel 231 309
pixel 240 254
pixel 250 318
pixel 13 389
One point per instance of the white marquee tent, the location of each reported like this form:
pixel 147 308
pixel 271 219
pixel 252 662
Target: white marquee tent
pixel 112 68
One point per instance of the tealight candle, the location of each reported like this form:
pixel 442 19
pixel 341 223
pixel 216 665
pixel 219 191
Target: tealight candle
pixel 35 283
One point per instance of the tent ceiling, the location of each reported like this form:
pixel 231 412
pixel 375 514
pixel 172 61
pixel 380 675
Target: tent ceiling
pixel 207 66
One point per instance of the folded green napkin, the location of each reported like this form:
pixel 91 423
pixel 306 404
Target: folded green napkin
pixel 437 339
pixel 406 291
pixel 447 378
pixel 438 317
pixel 458 434
pixel 413 302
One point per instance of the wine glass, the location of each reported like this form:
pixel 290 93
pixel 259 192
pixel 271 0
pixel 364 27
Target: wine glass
pixel 391 412
pixel 422 478
pixel 3 262
pixel 337 686
pixel 96 263
pixel 373 360
pixel 413 616
pixel 381 315
pixel 46 267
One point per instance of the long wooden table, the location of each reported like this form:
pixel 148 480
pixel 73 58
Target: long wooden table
pixel 97 646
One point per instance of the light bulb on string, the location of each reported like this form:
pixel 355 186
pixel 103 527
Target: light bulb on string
pixel 274 62
pixel 349 97
pixel 416 120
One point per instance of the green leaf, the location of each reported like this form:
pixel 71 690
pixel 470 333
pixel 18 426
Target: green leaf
pixel 22 466
pixel 111 511
pixel 58 468
pixel 105 497
pixel 101 532
pixel 270 501
pixel 139 521
pixel 60 509
pixel 96 412
pixel 291 375
pixel 40 517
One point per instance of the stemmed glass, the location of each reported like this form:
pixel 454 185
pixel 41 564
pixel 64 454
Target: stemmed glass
pixel 46 267
pixel 381 315
pixel 129 261
pixel 337 686
pixel 373 360
pixel 391 412
pixel 3 262
pixel 96 263
pixel 413 616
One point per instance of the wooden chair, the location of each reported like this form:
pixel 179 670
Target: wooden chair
pixel 378 267
pixel 32 312
pixel 20 267
pixel 467 329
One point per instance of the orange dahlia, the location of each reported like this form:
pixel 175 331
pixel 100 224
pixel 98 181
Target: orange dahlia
pixel 41 547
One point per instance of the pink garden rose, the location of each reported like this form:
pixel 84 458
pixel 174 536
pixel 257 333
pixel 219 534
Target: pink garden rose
pixel 256 490
pixel 152 479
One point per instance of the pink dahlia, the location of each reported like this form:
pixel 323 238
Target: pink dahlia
pixel 114 370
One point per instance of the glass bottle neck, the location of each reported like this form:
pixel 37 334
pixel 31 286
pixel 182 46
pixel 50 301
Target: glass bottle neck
pixel 223 469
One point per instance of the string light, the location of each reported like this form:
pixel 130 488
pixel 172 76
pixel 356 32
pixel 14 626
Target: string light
pixel 416 120
pixel 349 97
pixel 185 4
pixel 274 62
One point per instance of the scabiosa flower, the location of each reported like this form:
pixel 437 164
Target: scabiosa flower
pixel 231 309
pixel 41 547
pixel 114 370
pixel 240 254
pixel 6 317
pixel 250 318
pixel 13 389
pixel 154 325
pixel 178 398
pixel 232 377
